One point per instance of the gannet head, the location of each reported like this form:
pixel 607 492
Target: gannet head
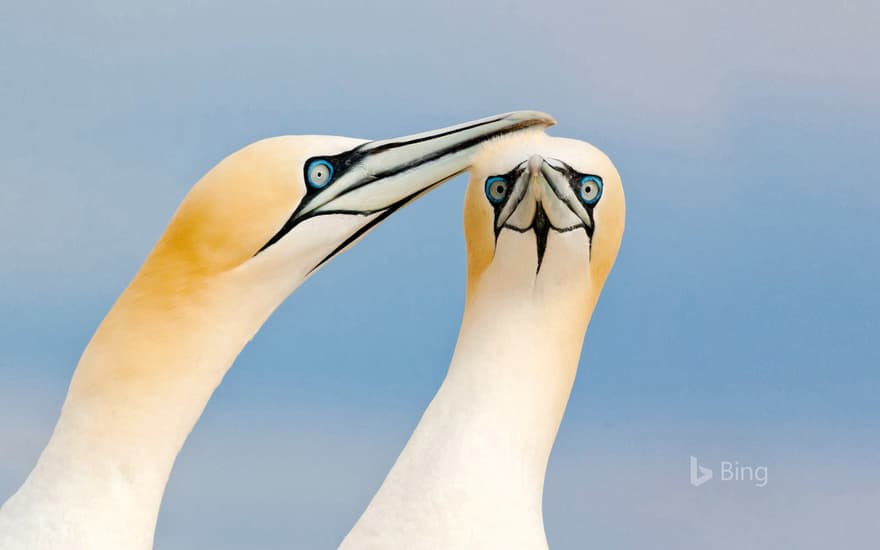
pixel 287 205
pixel 543 211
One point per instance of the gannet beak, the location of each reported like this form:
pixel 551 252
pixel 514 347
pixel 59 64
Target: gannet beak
pixel 542 198
pixel 540 224
pixel 379 177
pixel 389 173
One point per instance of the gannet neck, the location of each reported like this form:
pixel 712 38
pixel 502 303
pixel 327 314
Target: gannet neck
pixel 138 390
pixel 245 237
pixel 472 474
pixel 540 245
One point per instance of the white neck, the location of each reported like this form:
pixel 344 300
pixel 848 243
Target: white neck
pixel 138 390
pixel 472 474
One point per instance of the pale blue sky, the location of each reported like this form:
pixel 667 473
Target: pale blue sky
pixel 740 322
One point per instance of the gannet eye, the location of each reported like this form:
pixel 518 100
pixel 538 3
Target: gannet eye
pixel 319 173
pixel 497 189
pixel 590 189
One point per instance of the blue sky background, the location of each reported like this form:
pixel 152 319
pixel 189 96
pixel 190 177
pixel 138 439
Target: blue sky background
pixel 740 322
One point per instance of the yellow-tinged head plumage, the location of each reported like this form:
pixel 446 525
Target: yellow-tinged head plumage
pixel 233 211
pixel 552 207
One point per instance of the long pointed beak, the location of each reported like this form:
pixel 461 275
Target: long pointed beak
pixel 379 177
pixel 389 173
pixel 543 198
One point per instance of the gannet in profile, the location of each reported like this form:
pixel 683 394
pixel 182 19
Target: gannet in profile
pixel 248 234
pixel 543 221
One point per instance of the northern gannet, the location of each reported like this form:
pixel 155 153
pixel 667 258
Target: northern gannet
pixel 245 237
pixel 543 221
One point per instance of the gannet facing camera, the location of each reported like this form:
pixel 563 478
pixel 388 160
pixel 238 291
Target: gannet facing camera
pixel 543 221
pixel 243 239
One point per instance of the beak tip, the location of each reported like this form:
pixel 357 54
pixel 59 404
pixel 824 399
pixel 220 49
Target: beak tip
pixel 533 118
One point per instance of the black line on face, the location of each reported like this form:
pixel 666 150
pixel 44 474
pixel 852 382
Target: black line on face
pixel 540 223
pixel 511 178
pixel 393 143
pixel 370 225
pixel 541 226
pixel 356 235
pixel 343 162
